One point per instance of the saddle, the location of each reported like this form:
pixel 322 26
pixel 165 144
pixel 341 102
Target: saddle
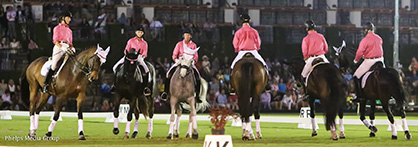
pixel 375 66
pixel 47 65
pixel 315 63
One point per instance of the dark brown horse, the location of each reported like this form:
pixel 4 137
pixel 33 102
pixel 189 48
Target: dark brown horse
pixel 70 83
pixel 382 84
pixel 325 83
pixel 249 79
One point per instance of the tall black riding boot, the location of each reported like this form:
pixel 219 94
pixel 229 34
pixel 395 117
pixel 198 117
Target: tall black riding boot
pixel 147 90
pixel 164 95
pixel 305 90
pixel 359 92
pixel 45 88
pixel 197 86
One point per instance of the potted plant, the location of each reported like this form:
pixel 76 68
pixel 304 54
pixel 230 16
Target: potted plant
pixel 219 116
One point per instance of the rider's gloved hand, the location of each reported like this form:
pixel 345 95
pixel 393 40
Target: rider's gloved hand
pixel 355 62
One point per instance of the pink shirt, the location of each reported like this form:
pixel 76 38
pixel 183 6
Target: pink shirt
pixel 370 47
pixel 141 45
pixel 246 38
pixel 62 33
pixel 178 50
pixel 314 44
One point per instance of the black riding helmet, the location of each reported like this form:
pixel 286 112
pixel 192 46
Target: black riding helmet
pixel 310 24
pixel 65 14
pixel 245 18
pixel 188 31
pixel 140 28
pixel 369 26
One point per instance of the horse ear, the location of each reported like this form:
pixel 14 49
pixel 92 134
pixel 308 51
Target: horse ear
pixel 195 50
pixel 343 44
pixel 107 50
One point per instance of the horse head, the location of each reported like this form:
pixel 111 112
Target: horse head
pixel 296 65
pixel 345 56
pixel 186 61
pixel 132 56
pixel 95 61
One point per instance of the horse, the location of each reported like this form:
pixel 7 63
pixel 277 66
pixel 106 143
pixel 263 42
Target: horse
pixel 71 82
pixel 182 90
pixel 129 86
pixel 326 83
pixel 249 79
pixel 382 84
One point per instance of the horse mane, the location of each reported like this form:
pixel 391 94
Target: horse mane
pixel 83 56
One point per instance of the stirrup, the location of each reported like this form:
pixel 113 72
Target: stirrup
pixel 164 96
pixel 147 91
pixel 45 88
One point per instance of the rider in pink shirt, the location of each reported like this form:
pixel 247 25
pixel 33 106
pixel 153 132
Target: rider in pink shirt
pixel 63 40
pixel 247 40
pixel 177 53
pixel 371 50
pixel 139 45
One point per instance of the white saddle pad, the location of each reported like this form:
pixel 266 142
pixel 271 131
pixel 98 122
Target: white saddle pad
pixel 364 79
pixel 46 67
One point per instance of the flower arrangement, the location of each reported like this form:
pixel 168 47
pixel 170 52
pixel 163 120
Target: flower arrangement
pixel 219 116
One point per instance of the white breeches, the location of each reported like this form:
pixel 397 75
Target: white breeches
pixel 308 64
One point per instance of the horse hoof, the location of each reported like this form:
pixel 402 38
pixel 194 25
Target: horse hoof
pixel 115 131
pixel 81 137
pixel 170 136
pixel 314 133
pixel 244 137
pixel 394 137
pixel 195 136
pixel 334 135
pixel 408 135
pixel 373 129
pixel 148 135
pixel 49 134
pixel 252 137
pixel 259 136
pixel 32 134
pixel 335 139
pixel 176 135
pixel 342 135
pixel 134 134
pixel 126 136
pixel 187 135
pixel 372 134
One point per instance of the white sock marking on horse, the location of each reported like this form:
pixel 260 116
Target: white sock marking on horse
pixel 115 122
pixel 341 125
pixel 36 121
pixel 405 125
pixel 248 126
pixel 128 127
pixel 194 122
pixel 32 122
pixel 313 122
pixel 171 128
pixel 80 125
pixel 150 125
pixel 189 129
pixel 177 125
pixel 332 127
pixel 394 133
pixel 366 123
pixel 136 125
pixel 257 125
pixel 51 126
pixel 243 125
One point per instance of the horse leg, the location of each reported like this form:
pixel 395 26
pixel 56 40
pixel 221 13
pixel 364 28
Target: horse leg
pixel 33 127
pixel 116 114
pixel 80 100
pixel 312 114
pixel 41 103
pixel 136 125
pixel 151 115
pixel 341 123
pixel 58 107
pixel 173 103
pixel 129 117
pixel 257 118
pixel 408 135
pixel 189 129
pixel 391 120
pixel 177 123
pixel 372 117
pixel 192 103
pixel 363 118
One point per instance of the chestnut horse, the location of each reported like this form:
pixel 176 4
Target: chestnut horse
pixel 249 79
pixel 71 82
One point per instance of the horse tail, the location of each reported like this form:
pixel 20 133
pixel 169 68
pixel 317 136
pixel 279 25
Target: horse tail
pixel 398 93
pixel 142 105
pixel 244 89
pixel 203 92
pixel 336 98
pixel 25 93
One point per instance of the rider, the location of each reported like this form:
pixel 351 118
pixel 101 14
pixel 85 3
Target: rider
pixel 177 53
pixel 246 40
pixel 63 42
pixel 371 50
pixel 314 46
pixel 139 44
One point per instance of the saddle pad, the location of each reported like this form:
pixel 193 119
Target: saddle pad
pixel 364 79
pixel 46 67
pixel 312 68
